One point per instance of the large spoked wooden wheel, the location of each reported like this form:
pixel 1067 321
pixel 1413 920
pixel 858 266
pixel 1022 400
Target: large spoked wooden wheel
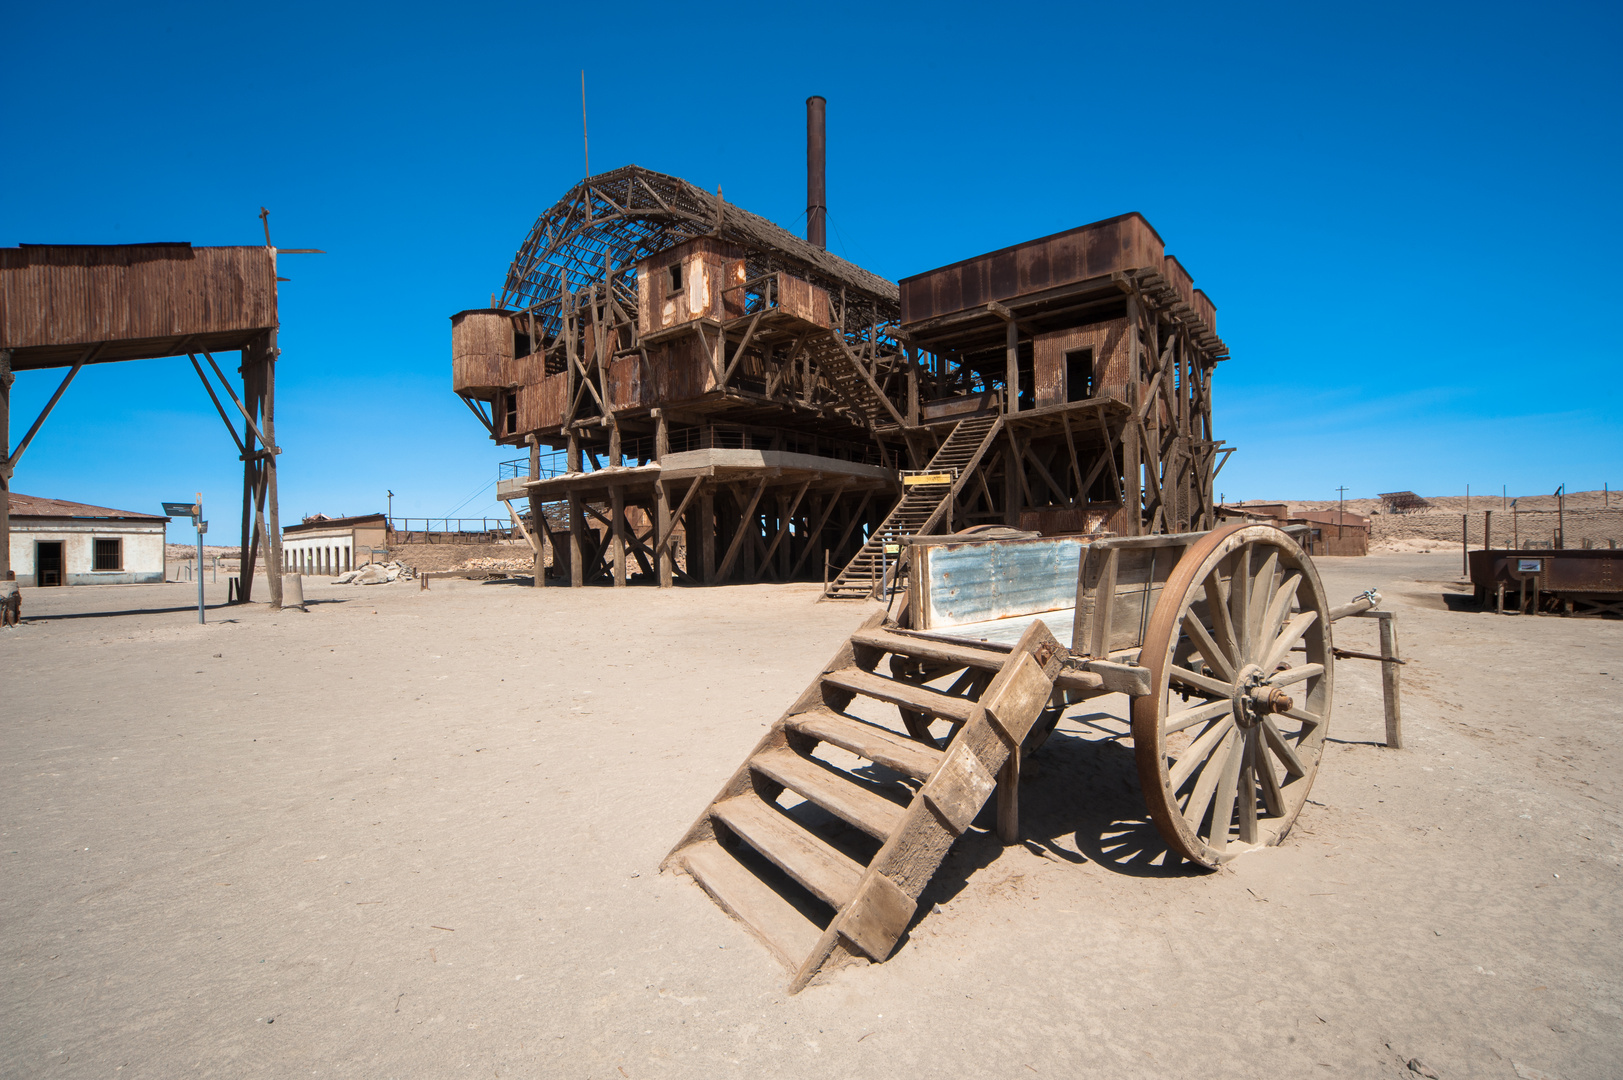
pixel 1229 739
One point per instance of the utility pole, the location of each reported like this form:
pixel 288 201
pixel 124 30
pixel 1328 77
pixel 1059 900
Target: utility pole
pixel 1341 514
pixel 390 515
pixel 1561 517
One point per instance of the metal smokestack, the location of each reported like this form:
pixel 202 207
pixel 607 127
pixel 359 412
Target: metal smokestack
pixel 816 156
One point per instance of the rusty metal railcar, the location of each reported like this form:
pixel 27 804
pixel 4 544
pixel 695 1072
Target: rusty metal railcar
pixel 1572 581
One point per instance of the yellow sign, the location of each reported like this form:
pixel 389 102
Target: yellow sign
pixel 927 478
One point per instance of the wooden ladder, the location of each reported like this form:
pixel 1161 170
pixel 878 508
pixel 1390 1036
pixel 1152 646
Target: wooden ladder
pixel 836 877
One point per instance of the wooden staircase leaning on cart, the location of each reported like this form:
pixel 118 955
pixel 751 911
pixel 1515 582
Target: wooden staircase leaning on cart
pixel 818 895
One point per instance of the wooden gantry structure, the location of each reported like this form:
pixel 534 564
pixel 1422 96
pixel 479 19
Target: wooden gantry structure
pixel 724 388
pixel 63 306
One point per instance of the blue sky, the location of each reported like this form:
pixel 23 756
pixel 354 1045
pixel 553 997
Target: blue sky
pixel 1407 216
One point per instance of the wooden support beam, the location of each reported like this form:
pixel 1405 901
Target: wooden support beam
pixel 784 517
pixel 708 526
pixel 577 519
pixel 746 524
pixel 816 532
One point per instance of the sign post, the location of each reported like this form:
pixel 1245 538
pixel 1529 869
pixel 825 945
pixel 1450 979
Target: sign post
pixel 195 512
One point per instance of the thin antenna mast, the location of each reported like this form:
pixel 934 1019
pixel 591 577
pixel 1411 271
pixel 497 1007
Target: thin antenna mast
pixel 585 146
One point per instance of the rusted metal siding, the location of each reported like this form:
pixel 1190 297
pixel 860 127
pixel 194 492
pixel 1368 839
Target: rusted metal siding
pixel 803 300
pixel 626 383
pixel 707 266
pixel 1179 279
pixel 1207 309
pixel 1111 357
pixel 1091 251
pixel 481 347
pixel 541 404
pixel 682 370
pixel 55 300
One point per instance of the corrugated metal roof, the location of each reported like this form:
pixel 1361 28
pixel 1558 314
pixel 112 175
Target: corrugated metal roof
pixel 334 523
pixel 31 506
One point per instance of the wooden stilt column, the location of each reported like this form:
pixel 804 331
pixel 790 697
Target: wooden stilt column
pixel 1011 362
pixel 6 379
pixel 1132 462
pixel 617 514
pixel 662 503
pixel 538 524
pixel 249 551
pixel 271 518
pixel 577 520
pixel 707 534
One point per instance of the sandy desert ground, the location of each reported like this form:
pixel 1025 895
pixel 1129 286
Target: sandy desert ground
pixel 417 834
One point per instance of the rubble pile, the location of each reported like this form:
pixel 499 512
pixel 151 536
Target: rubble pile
pixel 376 574
pixel 497 563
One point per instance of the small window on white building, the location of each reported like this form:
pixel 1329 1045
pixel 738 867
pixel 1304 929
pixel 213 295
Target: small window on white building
pixel 109 553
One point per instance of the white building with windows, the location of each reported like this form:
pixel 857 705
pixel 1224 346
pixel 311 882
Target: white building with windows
pixel 55 542
pixel 326 546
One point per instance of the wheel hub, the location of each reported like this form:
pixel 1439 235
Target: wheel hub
pixel 1254 699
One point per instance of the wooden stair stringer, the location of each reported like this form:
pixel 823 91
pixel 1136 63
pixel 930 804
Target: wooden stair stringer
pixel 910 857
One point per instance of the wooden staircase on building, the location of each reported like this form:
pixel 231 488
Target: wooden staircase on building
pixel 843 370
pixel 836 876
pixel 919 509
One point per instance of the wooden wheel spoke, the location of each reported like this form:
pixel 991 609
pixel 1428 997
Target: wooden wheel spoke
pixel 1282 749
pixel 1261 589
pixel 1204 683
pixel 1302 716
pixel 1201 798
pixel 1240 600
pixel 1246 793
pixel 1188 718
pixel 1273 799
pixel 1223 806
pixel 1280 606
pixel 1287 639
pixel 1199 751
pixel 1209 650
pixel 1222 625
pixel 1296 675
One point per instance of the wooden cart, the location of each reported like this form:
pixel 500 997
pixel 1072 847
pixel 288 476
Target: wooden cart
pixel 1221 640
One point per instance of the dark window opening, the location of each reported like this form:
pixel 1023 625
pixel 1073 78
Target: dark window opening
pixel 521 344
pixel 109 554
pixel 676 277
pixel 1078 374
pixel 512 412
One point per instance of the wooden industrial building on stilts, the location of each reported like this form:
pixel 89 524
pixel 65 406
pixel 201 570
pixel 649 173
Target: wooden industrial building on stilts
pixel 779 413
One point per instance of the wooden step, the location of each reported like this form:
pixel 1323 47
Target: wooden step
pixel 927 649
pixel 804 856
pixel 877 744
pixel 776 922
pixel 918 698
pixel 872 813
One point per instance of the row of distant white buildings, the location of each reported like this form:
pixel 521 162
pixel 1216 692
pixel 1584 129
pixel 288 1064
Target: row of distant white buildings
pixel 56 542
